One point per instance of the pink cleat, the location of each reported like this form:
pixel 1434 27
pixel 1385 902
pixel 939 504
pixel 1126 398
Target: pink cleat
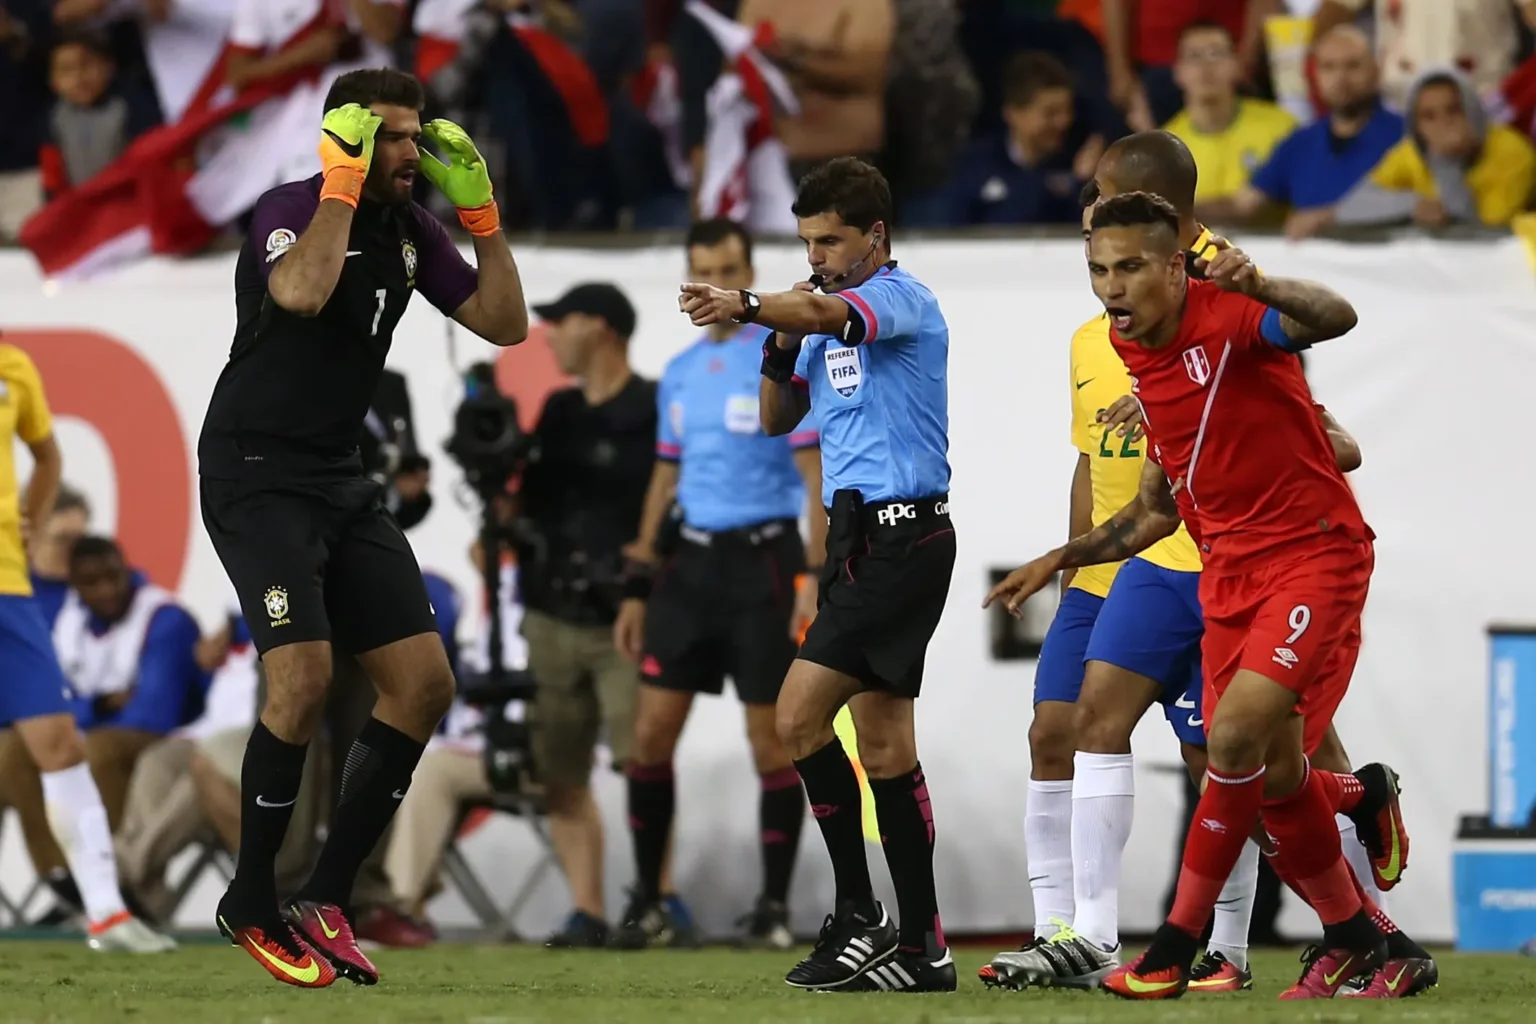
pixel 326 928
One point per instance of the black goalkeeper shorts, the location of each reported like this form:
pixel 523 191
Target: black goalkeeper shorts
pixel 317 560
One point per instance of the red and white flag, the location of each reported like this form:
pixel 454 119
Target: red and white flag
pixel 138 204
pixel 746 168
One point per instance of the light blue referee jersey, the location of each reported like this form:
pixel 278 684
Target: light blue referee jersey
pixel 880 398
pixel 731 474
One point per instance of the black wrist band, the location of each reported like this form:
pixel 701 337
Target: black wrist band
pixel 637 582
pixel 778 363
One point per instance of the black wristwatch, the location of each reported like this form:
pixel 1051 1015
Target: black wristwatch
pixel 752 305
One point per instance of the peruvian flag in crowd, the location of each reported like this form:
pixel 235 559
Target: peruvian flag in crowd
pixel 746 168
pixel 174 187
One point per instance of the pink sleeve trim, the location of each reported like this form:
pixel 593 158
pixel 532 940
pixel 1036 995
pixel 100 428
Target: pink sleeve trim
pixel 871 322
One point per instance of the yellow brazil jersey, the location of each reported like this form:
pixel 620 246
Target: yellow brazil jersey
pixel 23 414
pixel 1501 180
pixel 1228 158
pixel 1098 379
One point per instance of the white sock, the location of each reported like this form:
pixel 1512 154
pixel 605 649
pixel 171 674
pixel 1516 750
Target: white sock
pixel 79 823
pixel 1103 803
pixel 1234 908
pixel 1048 849
pixel 1359 861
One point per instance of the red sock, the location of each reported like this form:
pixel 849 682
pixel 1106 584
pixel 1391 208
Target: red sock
pixel 1344 791
pixel 1378 916
pixel 1220 827
pixel 1307 850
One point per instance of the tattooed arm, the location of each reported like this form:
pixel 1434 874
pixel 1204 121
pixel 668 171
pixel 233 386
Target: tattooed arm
pixel 1142 523
pixel 1152 516
pixel 1309 312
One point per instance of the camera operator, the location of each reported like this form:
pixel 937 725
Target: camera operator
pixel 582 491
pixel 722 528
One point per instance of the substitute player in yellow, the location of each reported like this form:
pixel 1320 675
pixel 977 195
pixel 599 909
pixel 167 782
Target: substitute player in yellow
pixel 33 692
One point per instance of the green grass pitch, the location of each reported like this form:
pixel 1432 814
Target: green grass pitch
pixel 63 983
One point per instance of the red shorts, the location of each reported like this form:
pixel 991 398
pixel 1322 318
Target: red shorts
pixel 1294 620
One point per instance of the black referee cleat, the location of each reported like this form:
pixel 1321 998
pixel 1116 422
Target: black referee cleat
pixel 908 971
pixel 849 945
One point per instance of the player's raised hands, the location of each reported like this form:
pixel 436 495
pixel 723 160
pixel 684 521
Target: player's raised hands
pixel 1124 417
pixel 463 176
pixel 346 141
pixel 1230 269
pixel 1023 583
pixel 705 304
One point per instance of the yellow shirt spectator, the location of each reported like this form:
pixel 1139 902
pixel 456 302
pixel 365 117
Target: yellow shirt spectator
pixel 1228 158
pixel 1500 180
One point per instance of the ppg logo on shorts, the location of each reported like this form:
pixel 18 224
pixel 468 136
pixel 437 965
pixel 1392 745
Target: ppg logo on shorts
pixel 893 514
pixel 845 369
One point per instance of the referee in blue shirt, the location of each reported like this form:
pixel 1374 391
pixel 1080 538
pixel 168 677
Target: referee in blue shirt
pixel 869 357
pixel 722 522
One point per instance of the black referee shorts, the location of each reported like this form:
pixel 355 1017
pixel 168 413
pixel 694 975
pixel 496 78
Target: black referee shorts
pixel 317 560
pixel 721 607
pixel 883 589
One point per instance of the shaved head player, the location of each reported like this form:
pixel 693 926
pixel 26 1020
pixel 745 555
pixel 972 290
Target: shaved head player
pixel 325 274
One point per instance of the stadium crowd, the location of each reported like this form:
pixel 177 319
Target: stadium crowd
pixel 613 114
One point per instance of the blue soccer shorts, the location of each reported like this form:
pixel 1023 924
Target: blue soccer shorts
pixel 1059 675
pixel 1151 625
pixel 31 682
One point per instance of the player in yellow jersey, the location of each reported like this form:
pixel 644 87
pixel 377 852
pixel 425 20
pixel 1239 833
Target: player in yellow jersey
pixel 33 691
pixel 1126 636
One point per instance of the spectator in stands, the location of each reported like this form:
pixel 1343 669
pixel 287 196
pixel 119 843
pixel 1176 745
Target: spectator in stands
pixel 931 99
pixel 1452 168
pixel 1479 37
pixel 836 53
pixel 1319 164
pixel 24 97
pixel 182 41
pixel 1142 40
pixel 1228 134
pixel 129 651
pixel 92 121
pixel 48 550
pixel 1029 175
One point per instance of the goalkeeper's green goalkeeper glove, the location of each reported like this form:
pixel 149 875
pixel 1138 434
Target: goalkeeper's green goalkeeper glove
pixel 463 179
pixel 346 150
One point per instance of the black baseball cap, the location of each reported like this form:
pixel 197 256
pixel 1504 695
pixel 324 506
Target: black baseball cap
pixel 593 299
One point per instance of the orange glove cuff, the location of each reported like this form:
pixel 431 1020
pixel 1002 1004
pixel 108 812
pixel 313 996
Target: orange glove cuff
pixel 344 183
pixel 482 220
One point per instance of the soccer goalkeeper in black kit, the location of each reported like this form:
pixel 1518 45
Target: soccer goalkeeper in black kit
pixel 325 274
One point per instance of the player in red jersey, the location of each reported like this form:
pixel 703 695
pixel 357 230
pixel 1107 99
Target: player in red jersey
pixel 1287 560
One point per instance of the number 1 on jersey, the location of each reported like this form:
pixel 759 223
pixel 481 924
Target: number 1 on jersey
pixel 378 314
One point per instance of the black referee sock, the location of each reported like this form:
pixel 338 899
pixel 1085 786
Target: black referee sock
pixel 652 797
pixel 269 787
pixel 374 781
pixel 906 833
pixel 833 790
pixel 780 815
